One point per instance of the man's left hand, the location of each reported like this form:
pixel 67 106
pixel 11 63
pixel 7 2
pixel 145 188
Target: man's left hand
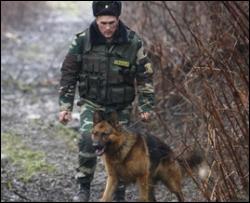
pixel 145 116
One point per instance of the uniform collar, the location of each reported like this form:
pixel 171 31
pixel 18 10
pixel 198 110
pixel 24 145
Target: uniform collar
pixel 120 36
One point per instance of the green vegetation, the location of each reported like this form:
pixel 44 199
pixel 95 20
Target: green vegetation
pixel 30 162
pixel 22 86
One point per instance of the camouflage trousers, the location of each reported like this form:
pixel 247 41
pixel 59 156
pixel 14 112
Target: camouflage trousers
pixel 87 157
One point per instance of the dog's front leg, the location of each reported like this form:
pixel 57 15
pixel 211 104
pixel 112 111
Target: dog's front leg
pixel 111 185
pixel 143 183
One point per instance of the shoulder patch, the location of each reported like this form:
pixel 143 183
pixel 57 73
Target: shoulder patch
pixel 140 44
pixel 149 69
pixel 81 34
pixel 74 43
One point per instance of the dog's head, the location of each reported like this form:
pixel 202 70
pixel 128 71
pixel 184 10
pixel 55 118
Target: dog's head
pixel 104 133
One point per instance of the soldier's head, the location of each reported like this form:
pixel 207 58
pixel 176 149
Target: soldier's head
pixel 107 16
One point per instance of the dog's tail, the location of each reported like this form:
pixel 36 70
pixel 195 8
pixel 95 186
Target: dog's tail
pixel 195 161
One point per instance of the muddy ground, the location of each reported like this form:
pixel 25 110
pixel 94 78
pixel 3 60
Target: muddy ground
pixel 39 155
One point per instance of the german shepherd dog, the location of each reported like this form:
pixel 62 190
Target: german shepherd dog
pixel 131 157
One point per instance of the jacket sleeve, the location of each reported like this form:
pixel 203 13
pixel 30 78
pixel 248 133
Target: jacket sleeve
pixel 144 77
pixel 69 75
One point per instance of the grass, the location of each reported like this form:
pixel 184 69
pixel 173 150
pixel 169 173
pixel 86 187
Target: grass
pixel 28 161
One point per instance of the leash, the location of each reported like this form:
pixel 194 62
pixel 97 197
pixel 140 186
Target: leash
pixel 139 120
pixel 133 124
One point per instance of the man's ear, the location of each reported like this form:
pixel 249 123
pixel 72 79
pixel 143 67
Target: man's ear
pixel 114 119
pixel 98 117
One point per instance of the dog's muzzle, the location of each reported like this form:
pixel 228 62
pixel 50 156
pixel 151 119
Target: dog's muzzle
pixel 99 148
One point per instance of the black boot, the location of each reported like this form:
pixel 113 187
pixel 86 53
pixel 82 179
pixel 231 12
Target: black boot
pixel 85 171
pixel 119 195
pixel 83 194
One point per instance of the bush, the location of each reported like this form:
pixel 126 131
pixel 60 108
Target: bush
pixel 200 52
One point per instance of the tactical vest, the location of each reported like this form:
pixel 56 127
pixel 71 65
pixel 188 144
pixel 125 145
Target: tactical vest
pixel 108 71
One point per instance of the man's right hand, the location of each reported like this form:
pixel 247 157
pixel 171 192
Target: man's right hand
pixel 65 117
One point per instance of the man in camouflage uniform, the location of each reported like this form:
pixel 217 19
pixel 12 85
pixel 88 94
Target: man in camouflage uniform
pixel 105 60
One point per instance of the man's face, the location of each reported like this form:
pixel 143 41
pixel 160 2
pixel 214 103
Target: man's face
pixel 107 25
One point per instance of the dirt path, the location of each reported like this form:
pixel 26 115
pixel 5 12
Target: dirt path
pixel 31 60
pixel 38 155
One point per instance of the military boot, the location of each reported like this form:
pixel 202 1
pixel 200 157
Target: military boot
pixel 119 195
pixel 83 194
pixel 85 171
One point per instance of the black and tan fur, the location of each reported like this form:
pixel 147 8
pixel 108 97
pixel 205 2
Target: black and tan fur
pixel 132 157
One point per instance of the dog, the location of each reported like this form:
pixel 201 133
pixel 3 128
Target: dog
pixel 131 157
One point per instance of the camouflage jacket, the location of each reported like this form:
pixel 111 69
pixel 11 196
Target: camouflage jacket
pixel 74 68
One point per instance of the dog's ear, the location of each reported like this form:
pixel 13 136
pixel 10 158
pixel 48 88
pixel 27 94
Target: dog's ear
pixel 114 119
pixel 98 117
